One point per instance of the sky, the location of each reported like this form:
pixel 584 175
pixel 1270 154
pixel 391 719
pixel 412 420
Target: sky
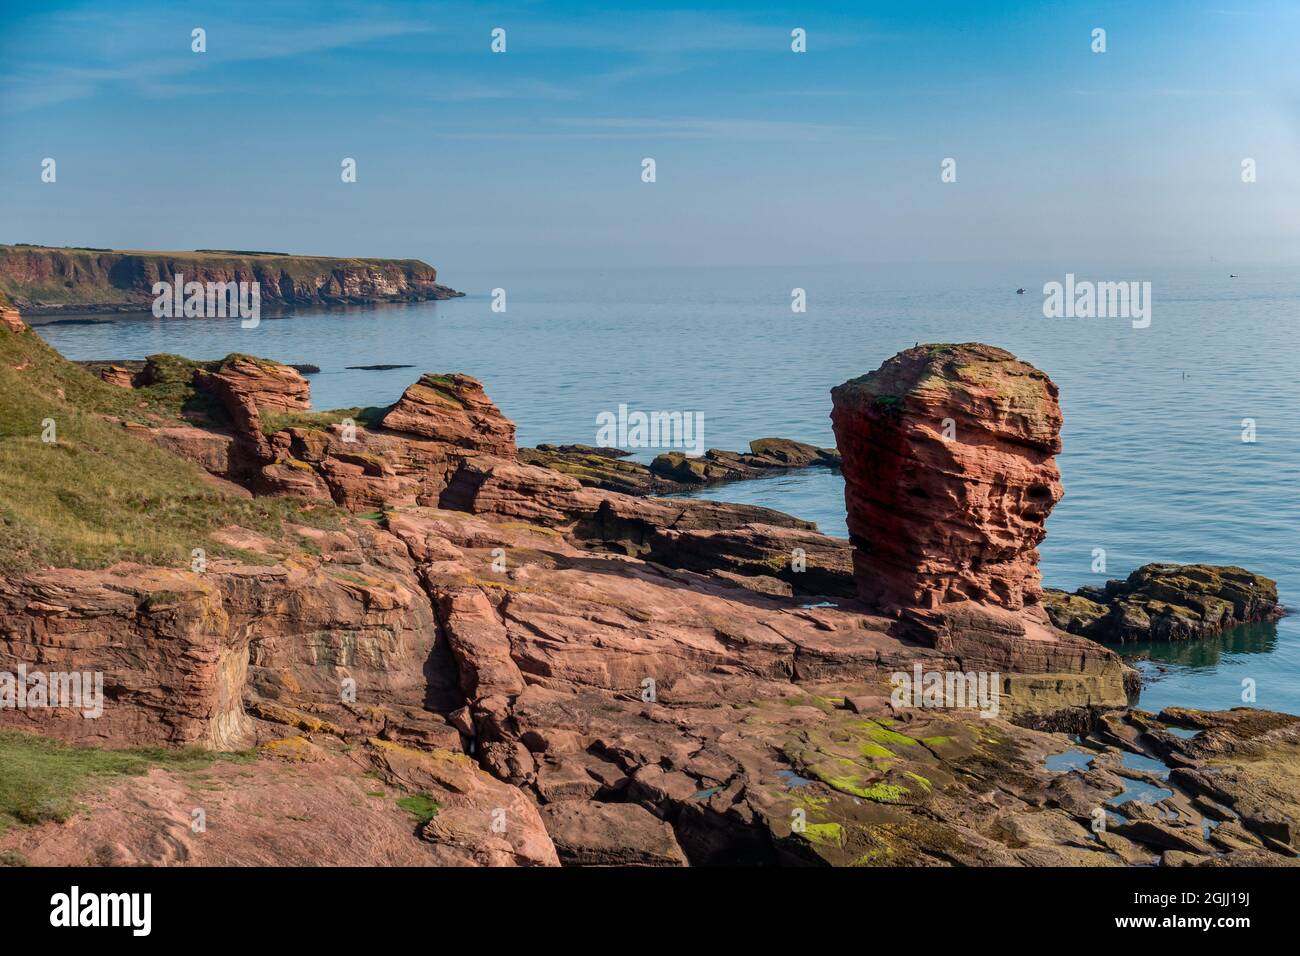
pixel 475 160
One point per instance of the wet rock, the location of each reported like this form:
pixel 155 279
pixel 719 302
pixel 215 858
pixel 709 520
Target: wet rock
pixel 1166 602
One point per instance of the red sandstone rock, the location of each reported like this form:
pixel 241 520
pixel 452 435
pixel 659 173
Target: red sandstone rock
pixel 808 562
pixel 9 317
pixel 116 375
pixel 173 668
pixel 610 834
pixel 950 473
pixel 453 409
pixel 208 449
pixel 268 385
pixel 276 812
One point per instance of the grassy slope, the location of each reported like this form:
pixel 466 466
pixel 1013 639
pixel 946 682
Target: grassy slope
pixel 42 778
pixel 99 495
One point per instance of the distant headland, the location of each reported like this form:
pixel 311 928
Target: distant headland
pixel 43 280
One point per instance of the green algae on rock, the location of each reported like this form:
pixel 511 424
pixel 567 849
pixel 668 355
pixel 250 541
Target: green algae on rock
pixel 1166 602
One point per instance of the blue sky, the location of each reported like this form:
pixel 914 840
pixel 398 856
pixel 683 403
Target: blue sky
pixel 474 160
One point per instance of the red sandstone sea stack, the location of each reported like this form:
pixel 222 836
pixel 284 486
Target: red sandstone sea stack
pixel 950 473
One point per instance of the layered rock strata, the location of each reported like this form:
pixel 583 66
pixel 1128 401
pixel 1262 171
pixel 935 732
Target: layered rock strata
pixel 950 473
pixel 46 280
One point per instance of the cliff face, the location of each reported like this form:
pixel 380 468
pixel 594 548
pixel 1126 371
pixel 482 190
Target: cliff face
pixel 42 279
pixel 950 473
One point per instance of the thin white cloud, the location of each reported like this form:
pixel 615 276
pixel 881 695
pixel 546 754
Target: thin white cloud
pixel 39 84
pixel 702 128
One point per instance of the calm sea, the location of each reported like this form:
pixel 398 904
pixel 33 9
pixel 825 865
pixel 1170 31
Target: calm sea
pixel 1154 464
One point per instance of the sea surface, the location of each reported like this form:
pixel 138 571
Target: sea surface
pixel 1154 465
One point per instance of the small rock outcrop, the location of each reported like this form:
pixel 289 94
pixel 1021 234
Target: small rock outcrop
pixel 766 455
pixel 453 409
pixel 610 469
pixel 117 375
pixel 268 385
pixel 9 317
pixel 1166 602
pixel 950 473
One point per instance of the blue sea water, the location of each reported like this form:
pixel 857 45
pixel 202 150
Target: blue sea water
pixel 1154 464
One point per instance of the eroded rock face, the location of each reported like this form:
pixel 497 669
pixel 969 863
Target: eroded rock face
pixel 407 459
pixel 950 473
pixel 268 385
pixel 117 375
pixel 610 834
pixel 172 669
pixel 453 409
pixel 179 650
pixel 107 280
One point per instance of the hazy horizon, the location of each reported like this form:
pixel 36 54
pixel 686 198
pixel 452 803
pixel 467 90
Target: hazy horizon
pixel 475 161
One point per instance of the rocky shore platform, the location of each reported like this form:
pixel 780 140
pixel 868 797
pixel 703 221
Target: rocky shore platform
pixel 670 472
pixel 433 651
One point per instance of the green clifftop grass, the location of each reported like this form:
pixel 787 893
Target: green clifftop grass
pixel 98 495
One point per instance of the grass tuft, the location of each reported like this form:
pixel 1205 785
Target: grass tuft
pixel 421 806
pixel 42 778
